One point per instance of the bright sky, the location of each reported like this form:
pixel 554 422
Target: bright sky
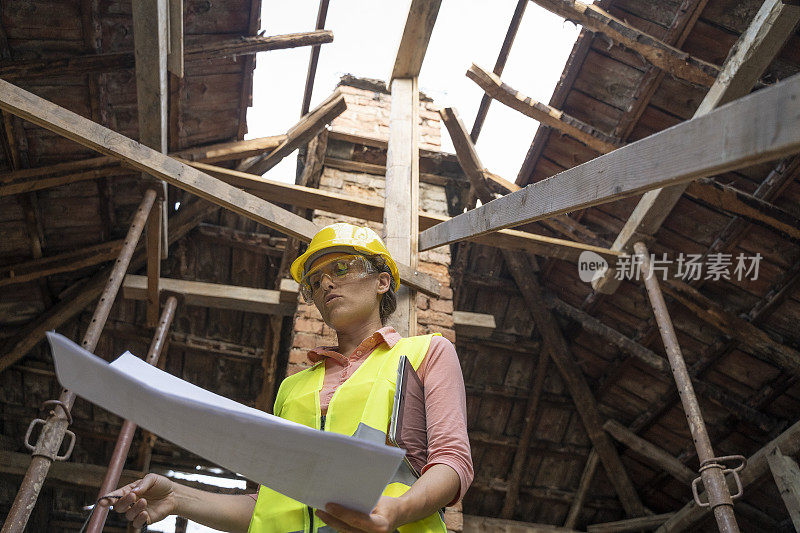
pixel 366 35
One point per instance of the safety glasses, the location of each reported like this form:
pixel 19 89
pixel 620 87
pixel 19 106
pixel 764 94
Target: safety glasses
pixel 340 269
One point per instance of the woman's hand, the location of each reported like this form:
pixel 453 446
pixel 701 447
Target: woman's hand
pixel 145 501
pixel 383 518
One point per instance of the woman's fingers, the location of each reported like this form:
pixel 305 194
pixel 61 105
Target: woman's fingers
pixel 141 519
pixel 335 523
pixel 135 509
pixel 127 499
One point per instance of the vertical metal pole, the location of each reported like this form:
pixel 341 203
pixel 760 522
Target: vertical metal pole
pixel 55 427
pixel 711 469
pixel 125 437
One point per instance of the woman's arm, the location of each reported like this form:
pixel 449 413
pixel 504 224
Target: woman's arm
pixel 155 497
pixel 437 487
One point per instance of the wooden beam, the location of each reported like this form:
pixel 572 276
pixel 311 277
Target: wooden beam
pixel 56 264
pixel 175 55
pixel 711 312
pixel 585 403
pixel 322 14
pixel 732 200
pixel 575 508
pixel 213 295
pixel 153 279
pixel 465 151
pixel 549 116
pixel 658 53
pixel 473 324
pixel 691 513
pixel 529 425
pixel 499 66
pixel 33 179
pixel 300 134
pixel 74 127
pixel 759 127
pixel 484 524
pixel 401 195
pixel 650 452
pixel 787 476
pixel 547 494
pixel 231 47
pixel 536 446
pixel 260 243
pixel 750 56
pixel 643 523
pixel 416 36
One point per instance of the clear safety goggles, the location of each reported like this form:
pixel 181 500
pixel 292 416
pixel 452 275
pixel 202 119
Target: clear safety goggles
pixel 342 269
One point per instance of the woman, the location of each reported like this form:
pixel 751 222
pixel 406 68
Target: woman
pixel 351 278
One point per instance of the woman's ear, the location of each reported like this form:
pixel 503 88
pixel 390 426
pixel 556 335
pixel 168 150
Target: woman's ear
pixel 384 282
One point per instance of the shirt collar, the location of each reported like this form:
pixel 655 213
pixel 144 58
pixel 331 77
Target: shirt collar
pixel 386 334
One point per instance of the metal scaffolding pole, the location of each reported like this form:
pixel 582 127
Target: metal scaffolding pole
pixel 125 437
pixel 55 427
pixel 712 469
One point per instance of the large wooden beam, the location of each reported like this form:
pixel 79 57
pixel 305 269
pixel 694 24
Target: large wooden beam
pixel 94 63
pixel 586 405
pixel 401 196
pixel 787 477
pixel 549 116
pixel 750 56
pixel 214 295
pixel 484 524
pixel 757 128
pixel 660 54
pixel 416 36
pixel 301 133
pixel 650 452
pixel 691 513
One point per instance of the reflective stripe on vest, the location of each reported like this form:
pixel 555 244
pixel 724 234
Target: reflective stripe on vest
pixel 361 407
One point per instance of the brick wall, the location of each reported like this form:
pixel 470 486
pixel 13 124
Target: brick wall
pixel 368 115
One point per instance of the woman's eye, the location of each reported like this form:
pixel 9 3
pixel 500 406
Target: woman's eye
pixel 341 269
pixel 315 284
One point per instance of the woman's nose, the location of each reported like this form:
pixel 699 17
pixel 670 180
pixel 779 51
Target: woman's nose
pixel 326 281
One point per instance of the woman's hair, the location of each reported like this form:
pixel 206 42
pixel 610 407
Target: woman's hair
pixel 388 303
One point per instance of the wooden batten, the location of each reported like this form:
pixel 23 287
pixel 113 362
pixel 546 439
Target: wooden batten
pixel 416 36
pixel 549 116
pixel 477 325
pixel 787 477
pixel 214 295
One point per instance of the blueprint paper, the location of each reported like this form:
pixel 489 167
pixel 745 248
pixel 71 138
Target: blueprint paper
pixel 311 466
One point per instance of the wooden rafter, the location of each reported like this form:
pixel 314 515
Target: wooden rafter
pixel 416 36
pixel 660 54
pixel 260 243
pixel 758 128
pixel 299 135
pixel 245 45
pixel 787 477
pixel 752 53
pixel 587 476
pixel 56 264
pixel 549 116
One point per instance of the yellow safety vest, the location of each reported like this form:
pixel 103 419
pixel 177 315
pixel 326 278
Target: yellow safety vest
pixel 361 407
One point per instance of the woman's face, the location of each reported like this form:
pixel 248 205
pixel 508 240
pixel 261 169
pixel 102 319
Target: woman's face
pixel 350 300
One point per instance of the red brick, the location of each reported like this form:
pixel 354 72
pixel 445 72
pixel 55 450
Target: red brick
pixel 435 318
pixel 305 340
pixel 443 306
pixel 448 334
pixel 298 356
pixel 308 325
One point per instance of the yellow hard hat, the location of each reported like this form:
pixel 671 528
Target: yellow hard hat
pixel 344 237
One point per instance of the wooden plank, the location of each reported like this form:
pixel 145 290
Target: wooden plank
pixel 752 53
pixel 260 243
pixel 95 63
pixel 691 513
pixel 301 133
pixel 153 245
pixel 401 197
pixel 56 264
pixel 787 476
pixel 549 116
pixel 750 207
pixel 484 524
pixel 74 127
pixel 213 295
pixel 465 151
pixel 175 55
pixel 585 403
pixel 643 523
pixel 416 36
pixel 575 508
pixel 650 452
pixel 322 14
pixel 479 325
pixel 658 53
pixel 757 128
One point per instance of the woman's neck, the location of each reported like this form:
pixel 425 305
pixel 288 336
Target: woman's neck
pixel 350 338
